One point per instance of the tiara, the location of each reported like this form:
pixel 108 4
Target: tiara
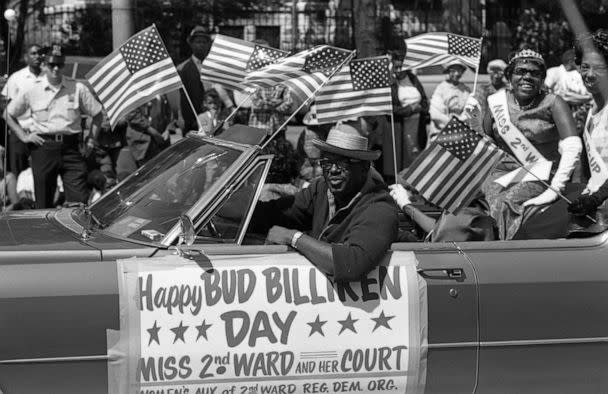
pixel 527 53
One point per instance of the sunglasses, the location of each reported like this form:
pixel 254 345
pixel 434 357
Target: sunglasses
pixel 523 71
pixel 53 65
pixel 341 164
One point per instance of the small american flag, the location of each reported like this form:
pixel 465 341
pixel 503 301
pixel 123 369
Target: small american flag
pixel 231 59
pixel 449 173
pixel 303 72
pixel 431 49
pixel 361 88
pixel 133 74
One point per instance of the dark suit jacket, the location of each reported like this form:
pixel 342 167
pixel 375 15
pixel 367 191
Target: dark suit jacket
pixel 191 77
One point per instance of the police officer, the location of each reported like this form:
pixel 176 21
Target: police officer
pixel 57 105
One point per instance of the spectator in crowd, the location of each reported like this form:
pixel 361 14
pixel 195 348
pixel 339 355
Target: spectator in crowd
pixel 496 71
pixel 284 169
pixel 565 81
pixel 243 101
pixel 8 185
pixel 411 116
pixel 26 192
pixel 592 58
pixel 270 107
pixel 449 98
pixel 349 218
pixel 142 142
pixel 533 123
pixel 160 114
pixel 57 105
pixel 213 114
pixel 199 41
pixel 17 83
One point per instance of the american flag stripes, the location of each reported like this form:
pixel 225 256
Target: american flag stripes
pixel 431 49
pixel 303 72
pixel 230 59
pixel 132 74
pixel 360 88
pixel 449 173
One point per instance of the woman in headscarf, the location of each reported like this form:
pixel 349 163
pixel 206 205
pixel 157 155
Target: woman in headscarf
pixel 592 59
pixel 537 129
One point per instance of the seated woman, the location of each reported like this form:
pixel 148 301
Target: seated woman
pixel 470 224
pixel 537 128
pixel 592 58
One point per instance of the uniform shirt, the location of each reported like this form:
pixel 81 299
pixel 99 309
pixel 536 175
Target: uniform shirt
pixel 56 109
pixel 20 82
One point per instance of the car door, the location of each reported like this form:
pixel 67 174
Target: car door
pixel 543 315
pixel 452 316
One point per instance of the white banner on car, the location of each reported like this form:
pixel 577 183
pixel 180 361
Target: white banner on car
pixel 267 324
pixel 536 166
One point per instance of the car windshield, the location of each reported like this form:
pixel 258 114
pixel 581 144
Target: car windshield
pixel 148 204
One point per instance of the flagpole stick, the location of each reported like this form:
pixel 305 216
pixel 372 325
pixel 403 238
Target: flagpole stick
pixel 394 144
pixel 555 191
pixel 6 147
pixel 305 102
pixel 477 68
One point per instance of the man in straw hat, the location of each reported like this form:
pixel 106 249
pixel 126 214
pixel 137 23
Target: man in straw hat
pixel 349 217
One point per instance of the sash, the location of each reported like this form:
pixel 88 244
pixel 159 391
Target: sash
pixel 597 166
pixel 536 166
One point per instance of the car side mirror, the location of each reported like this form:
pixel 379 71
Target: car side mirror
pixel 187 234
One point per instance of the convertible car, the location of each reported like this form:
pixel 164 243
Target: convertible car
pixel 502 317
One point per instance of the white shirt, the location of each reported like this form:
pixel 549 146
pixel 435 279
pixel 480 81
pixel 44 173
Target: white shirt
pixel 18 83
pixel 598 130
pixel 564 82
pixel 25 183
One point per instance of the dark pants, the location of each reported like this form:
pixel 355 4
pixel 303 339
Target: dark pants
pixel 58 158
pixel 18 153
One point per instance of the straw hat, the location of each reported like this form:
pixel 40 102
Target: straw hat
pixel 345 140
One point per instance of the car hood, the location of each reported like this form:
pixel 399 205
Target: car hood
pixel 36 230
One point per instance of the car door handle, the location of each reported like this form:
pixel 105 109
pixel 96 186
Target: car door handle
pixel 442 273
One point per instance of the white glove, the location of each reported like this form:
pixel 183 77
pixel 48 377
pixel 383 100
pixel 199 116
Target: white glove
pixel 570 148
pixel 401 196
pixel 546 197
pixel 472 105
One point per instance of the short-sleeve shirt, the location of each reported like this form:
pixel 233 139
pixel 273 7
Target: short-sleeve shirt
pixel 56 109
pixel 20 82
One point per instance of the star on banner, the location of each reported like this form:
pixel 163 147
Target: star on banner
pixel 179 332
pixel 153 333
pixel 348 323
pixel 316 326
pixel 382 321
pixel 202 330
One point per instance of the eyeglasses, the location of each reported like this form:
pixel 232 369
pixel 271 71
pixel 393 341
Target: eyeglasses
pixel 600 68
pixel 520 72
pixel 341 164
pixel 53 65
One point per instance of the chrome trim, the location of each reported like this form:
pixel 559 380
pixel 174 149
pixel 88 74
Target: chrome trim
pixel 536 342
pixel 101 357
pixel 452 345
pixel 266 161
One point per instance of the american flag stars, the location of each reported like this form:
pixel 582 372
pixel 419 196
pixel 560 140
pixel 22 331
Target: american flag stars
pixel 463 46
pixel 458 139
pixel 143 50
pixel 325 60
pixel 263 56
pixel 370 74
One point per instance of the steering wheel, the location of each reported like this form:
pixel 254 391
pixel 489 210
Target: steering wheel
pixel 212 228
